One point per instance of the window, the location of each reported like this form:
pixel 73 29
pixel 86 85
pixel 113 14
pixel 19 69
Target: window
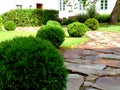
pixel 104 4
pixel 19 6
pixel 61 5
pixel 81 6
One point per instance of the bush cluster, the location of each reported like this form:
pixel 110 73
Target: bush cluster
pixel 77 29
pixel 0 23
pixel 30 17
pixel 36 65
pixel 10 26
pixel 53 33
pixel 67 21
pixel 92 23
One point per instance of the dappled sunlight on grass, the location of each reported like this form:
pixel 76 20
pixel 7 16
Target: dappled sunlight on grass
pixel 7 35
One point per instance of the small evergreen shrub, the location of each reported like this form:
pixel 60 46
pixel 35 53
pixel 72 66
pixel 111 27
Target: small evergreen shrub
pixel 67 21
pixel 51 22
pixel 53 33
pixel 103 18
pixel 82 17
pixel 91 11
pixel 77 29
pixel 36 65
pixel 10 26
pixel 92 23
pixel 0 23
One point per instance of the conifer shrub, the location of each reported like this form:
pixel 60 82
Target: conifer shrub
pixel 92 23
pixel 76 29
pixel 52 33
pixel 51 22
pixel 10 26
pixel 0 23
pixel 29 63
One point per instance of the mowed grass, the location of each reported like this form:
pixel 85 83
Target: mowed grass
pixel 8 35
pixel 111 28
pixel 69 41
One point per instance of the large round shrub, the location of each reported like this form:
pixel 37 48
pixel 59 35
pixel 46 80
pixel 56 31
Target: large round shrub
pixel 53 33
pixel 77 29
pixel 92 23
pixel 28 63
pixel 10 26
pixel 51 22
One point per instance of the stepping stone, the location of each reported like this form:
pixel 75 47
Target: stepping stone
pixel 109 83
pixel 84 69
pixel 74 81
pixel 108 72
pixel 109 56
pixel 77 61
pixel 111 63
pixel 91 78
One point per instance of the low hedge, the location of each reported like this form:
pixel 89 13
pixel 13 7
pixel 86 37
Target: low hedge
pixel 30 17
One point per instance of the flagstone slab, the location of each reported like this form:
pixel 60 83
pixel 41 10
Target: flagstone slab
pixel 109 83
pixel 85 69
pixel 111 63
pixel 78 61
pixel 109 56
pixel 108 72
pixel 74 81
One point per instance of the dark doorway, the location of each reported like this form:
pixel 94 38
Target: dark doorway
pixel 39 6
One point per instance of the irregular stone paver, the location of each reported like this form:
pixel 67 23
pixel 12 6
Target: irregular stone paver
pixel 78 61
pixel 109 72
pixel 74 81
pixel 85 69
pixel 91 78
pixel 109 56
pixel 109 83
pixel 90 84
pixel 111 63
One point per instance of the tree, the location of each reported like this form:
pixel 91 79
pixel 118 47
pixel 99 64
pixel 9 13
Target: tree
pixel 115 13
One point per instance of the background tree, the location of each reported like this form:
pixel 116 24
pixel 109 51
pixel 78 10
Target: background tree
pixel 115 13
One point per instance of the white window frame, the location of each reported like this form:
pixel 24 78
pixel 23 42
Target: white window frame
pixel 104 4
pixel 19 6
pixel 81 6
pixel 61 5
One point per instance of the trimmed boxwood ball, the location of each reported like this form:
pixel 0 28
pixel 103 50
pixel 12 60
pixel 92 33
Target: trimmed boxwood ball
pixel 51 22
pixel 92 23
pixel 29 63
pixel 53 33
pixel 10 26
pixel 76 29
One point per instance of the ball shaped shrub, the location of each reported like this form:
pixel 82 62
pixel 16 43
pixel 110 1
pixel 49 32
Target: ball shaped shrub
pixel 10 26
pixel 53 33
pixel 51 22
pixel 28 63
pixel 92 23
pixel 76 29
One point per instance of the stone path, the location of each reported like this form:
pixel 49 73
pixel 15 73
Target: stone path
pixel 96 64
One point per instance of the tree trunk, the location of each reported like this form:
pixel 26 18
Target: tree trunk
pixel 115 13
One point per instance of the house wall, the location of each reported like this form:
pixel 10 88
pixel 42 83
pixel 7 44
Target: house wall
pixel 66 13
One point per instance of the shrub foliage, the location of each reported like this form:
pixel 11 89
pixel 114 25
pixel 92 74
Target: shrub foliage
pixel 30 17
pixel 77 29
pixel 53 33
pixel 36 65
pixel 92 23
pixel 0 23
pixel 10 26
pixel 51 22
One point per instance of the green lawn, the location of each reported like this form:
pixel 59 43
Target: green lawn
pixel 112 28
pixel 69 41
